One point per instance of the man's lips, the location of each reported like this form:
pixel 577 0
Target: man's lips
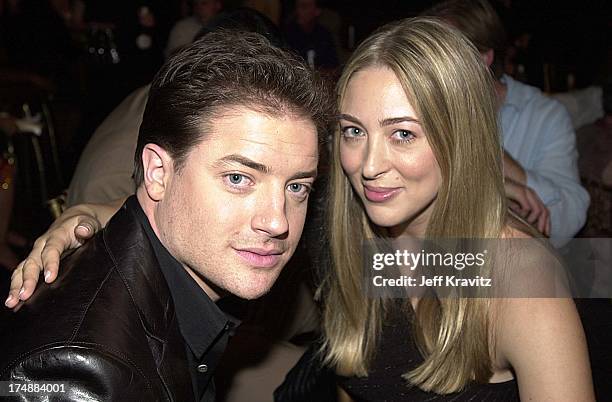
pixel 260 257
pixel 380 194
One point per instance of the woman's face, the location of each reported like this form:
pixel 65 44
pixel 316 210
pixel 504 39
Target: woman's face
pixel 385 153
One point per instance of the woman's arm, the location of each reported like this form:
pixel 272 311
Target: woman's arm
pixel 75 226
pixel 543 340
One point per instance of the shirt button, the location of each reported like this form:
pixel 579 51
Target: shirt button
pixel 202 368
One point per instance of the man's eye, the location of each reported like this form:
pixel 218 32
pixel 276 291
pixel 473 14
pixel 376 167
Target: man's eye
pixel 237 179
pixel 298 188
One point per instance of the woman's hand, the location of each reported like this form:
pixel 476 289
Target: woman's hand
pixel 74 227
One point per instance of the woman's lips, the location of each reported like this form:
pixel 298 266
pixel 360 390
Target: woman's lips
pixel 259 259
pixel 380 194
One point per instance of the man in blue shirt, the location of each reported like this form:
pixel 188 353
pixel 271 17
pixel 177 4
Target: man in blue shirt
pixel 540 158
pixel 537 132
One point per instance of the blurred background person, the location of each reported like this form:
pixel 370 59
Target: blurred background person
pixel 306 35
pixel 8 127
pixel 185 30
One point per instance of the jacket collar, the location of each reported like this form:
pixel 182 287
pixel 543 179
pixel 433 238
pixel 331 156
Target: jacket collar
pixel 135 262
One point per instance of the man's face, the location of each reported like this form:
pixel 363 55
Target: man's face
pixel 234 213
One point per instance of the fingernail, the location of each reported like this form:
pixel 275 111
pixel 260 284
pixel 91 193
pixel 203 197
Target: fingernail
pixel 47 276
pixel 86 227
pixel 21 291
pixel 8 299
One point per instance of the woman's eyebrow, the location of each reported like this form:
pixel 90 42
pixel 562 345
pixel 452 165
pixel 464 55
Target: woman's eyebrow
pixel 395 120
pixel 385 122
pixel 348 117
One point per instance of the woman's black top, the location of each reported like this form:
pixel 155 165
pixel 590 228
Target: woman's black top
pixel 397 354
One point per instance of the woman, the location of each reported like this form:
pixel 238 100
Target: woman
pixel 417 153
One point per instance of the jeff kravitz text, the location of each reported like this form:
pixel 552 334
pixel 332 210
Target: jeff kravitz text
pixel 435 281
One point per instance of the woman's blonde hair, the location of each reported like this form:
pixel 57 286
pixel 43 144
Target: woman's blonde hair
pixel 453 96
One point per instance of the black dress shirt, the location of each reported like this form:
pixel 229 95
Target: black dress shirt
pixel 204 327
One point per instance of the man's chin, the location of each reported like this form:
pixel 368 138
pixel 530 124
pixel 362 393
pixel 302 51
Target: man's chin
pixel 250 293
pixel 251 287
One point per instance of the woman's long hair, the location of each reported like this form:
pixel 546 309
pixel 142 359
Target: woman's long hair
pixel 453 95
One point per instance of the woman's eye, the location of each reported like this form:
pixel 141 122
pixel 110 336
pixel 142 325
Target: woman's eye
pixel 352 132
pixel 403 135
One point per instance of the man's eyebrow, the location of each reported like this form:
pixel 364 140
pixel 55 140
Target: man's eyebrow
pixel 243 160
pixel 304 175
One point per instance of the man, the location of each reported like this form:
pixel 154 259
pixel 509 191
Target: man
pixel 226 155
pixel 309 38
pixel 104 171
pixel 540 159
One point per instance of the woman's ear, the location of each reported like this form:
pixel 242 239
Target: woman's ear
pixel 158 168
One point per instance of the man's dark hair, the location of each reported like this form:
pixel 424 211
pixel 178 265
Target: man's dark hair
pixel 479 22
pixel 221 70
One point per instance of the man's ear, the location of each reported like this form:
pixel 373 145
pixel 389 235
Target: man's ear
pixel 158 169
pixel 488 57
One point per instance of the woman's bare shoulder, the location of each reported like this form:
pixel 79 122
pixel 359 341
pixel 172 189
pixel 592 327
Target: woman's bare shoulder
pixel 536 327
pixel 543 341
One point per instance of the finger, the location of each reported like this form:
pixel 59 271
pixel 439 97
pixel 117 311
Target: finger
pixel 51 255
pixel 86 228
pixel 519 208
pixel 543 221
pixel 31 272
pixel 524 203
pixel 534 214
pixel 16 283
pixel 514 206
pixel 83 232
pixel 34 257
pixel 515 194
pixel 535 207
pixel 51 258
pixel 534 211
pixel 547 223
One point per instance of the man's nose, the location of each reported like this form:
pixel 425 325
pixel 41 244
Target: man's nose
pixel 376 161
pixel 271 216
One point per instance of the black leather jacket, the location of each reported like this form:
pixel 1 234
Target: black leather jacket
pixel 106 327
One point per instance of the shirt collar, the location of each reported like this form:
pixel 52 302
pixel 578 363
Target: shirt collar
pixel 200 320
pixel 515 95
